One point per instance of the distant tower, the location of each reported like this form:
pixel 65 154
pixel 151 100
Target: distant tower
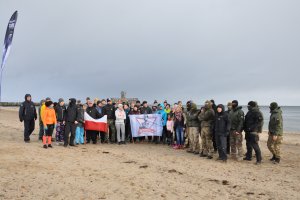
pixel 123 95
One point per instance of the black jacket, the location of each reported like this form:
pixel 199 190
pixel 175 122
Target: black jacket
pixel 72 112
pixel 93 112
pixel 109 110
pixel 222 123
pixel 253 121
pixel 80 116
pixel 27 110
pixel 146 110
pixel 60 113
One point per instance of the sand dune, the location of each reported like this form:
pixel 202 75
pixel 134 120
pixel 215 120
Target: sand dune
pixel 136 171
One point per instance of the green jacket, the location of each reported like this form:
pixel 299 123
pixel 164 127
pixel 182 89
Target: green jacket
pixel 237 118
pixel 192 117
pixel 276 122
pixel 207 117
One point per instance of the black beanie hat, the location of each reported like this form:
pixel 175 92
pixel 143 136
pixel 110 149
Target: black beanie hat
pixel 252 104
pixel 235 102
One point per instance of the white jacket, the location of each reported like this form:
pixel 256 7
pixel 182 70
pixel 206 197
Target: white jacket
pixel 120 116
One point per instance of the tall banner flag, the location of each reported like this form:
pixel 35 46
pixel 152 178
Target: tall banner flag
pixel 92 124
pixel 146 125
pixel 7 43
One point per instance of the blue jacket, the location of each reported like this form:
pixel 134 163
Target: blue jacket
pixel 164 115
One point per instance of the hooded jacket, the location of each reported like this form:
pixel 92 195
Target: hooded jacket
pixel 49 116
pixel 163 115
pixel 236 116
pixel 72 111
pixel 253 120
pixel 222 123
pixel 192 116
pixel 207 117
pixel 27 110
pixel 60 112
pixel 276 122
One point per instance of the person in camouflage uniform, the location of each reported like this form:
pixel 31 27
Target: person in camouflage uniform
pixel 193 124
pixel 229 108
pixel 236 116
pixel 186 133
pixel 275 132
pixel 207 117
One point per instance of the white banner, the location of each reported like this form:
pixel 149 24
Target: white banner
pixel 146 125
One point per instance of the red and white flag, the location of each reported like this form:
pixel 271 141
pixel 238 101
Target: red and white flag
pixel 92 124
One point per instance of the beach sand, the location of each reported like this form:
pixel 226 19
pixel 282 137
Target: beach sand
pixel 137 171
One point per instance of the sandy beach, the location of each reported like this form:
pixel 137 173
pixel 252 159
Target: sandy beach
pixel 137 171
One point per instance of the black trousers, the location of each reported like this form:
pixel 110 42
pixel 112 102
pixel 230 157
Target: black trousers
pixel 91 135
pixel 214 139
pixel 50 129
pixel 221 142
pixel 28 129
pixel 228 144
pixel 69 128
pixel 252 143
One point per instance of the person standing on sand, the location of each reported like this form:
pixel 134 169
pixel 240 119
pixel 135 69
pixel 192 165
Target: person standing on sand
pixel 252 126
pixel 236 116
pixel 41 132
pixel 109 110
pixel 229 108
pixel 207 118
pixel 79 133
pixel 49 120
pixel 187 143
pixel 71 122
pixel 92 112
pixel 178 126
pixel 193 124
pixel 222 128
pixel 60 110
pixel 275 132
pixel 120 124
pixel 27 113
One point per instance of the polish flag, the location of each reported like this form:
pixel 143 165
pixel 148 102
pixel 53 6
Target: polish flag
pixel 95 124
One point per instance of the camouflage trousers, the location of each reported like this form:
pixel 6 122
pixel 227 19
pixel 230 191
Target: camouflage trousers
pixel 186 135
pixel 112 130
pixel 194 139
pixel 207 147
pixel 236 144
pixel 274 146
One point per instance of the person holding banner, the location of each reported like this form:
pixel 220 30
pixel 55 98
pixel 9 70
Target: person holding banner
pixel 120 124
pixel 161 111
pixel 92 112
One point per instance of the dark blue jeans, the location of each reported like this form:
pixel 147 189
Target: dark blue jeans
pixel 179 135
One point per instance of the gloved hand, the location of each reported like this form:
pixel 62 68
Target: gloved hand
pixel 46 128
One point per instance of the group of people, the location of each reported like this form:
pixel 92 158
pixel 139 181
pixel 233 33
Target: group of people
pixel 202 131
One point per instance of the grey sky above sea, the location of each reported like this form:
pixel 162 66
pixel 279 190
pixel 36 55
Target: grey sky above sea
pixel 158 49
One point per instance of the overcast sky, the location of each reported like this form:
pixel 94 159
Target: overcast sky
pixel 158 49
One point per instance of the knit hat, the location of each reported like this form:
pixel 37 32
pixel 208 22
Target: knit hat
pixel 108 100
pixel 48 99
pixel 60 100
pixel 235 102
pixel 273 105
pixel 229 104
